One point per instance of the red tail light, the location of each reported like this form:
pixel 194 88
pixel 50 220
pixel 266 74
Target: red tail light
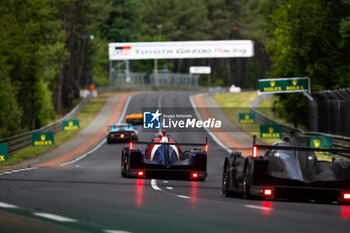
pixel 122 135
pixel 194 175
pixel 346 196
pixel 140 173
pixel 255 151
pixel 130 145
pixel 206 148
pixel 267 192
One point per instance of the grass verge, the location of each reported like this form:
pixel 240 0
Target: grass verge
pixel 235 103
pixel 87 114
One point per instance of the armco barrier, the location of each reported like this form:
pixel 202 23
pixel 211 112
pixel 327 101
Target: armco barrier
pixel 23 140
pixel 339 142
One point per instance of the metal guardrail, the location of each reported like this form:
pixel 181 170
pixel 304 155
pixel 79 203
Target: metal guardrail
pixel 144 80
pixel 25 139
pixel 339 142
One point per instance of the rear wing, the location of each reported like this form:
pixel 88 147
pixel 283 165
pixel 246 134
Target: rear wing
pixel 109 127
pixel 342 152
pixel 205 145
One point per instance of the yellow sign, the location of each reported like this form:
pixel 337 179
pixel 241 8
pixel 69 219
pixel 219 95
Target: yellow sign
pixel 2 158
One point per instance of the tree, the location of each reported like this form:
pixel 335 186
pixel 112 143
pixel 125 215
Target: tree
pixel 310 40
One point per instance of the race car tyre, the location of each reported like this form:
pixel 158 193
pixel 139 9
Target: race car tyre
pixel 246 182
pixel 226 180
pixel 123 164
pixel 109 140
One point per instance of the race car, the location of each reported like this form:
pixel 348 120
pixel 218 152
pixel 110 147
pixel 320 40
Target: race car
pixel 135 119
pixel 163 158
pixel 121 133
pixel 289 170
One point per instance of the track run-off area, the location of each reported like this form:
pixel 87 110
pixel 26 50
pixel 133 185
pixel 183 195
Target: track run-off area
pixel 88 194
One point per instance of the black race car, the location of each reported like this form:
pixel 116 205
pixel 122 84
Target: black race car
pixel 121 133
pixel 163 158
pixel 289 170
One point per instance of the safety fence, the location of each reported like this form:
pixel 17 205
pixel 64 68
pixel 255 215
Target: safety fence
pixel 23 140
pixel 340 142
pixel 131 79
pixel 333 111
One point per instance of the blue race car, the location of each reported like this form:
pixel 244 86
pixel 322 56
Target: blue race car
pixel 121 133
pixel 163 158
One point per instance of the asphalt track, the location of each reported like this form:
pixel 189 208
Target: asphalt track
pixel 91 196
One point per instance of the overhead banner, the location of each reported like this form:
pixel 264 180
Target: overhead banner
pixel 283 85
pixel 181 49
pixel 200 70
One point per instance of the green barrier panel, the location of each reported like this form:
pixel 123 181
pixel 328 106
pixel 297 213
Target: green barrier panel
pixel 246 118
pixel 43 139
pixel 3 152
pixel 271 131
pixel 70 125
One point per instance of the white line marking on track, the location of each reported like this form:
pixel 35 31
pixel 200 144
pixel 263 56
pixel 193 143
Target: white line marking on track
pixel 183 196
pixel 54 217
pixel 18 170
pixel 85 154
pixel 116 231
pixel 165 181
pixel 209 132
pixel 257 207
pixel 170 188
pixel 154 184
pixel 9 206
pixel 122 116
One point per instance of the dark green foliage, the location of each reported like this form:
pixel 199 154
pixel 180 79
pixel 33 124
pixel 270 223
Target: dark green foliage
pixel 310 39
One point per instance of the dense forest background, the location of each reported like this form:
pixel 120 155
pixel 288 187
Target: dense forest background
pixel 49 47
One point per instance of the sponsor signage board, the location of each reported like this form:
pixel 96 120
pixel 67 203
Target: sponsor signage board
pixel 43 139
pixel 282 85
pixel 271 131
pixel 3 152
pixel 319 141
pixel 200 70
pixel 246 118
pixel 69 125
pixel 180 49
